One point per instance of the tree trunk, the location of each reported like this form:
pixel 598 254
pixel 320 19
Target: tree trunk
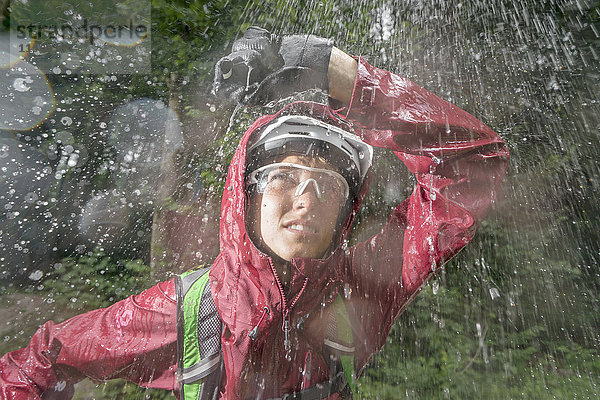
pixel 161 258
pixel 185 228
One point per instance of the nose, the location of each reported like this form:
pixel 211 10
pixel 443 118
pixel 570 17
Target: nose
pixel 306 194
pixel 304 185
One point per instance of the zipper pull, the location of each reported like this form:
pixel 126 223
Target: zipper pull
pixel 286 334
pixel 253 334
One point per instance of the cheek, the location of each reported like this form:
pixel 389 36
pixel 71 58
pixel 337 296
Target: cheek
pixel 331 216
pixel 270 213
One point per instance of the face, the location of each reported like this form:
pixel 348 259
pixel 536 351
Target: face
pixel 290 225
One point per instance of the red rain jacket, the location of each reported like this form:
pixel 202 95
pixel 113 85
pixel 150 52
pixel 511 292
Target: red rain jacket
pixel 458 163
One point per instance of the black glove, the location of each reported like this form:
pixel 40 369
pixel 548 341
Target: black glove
pixel 263 67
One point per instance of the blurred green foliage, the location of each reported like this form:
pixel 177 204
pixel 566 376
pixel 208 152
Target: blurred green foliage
pixel 94 281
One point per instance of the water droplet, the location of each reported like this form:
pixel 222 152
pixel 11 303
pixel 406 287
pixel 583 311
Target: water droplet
pixel 494 293
pixel 60 386
pixel 4 148
pixel 36 275
pixel 73 160
pixel 64 137
pixel 67 121
pixel 20 84
pixel 31 197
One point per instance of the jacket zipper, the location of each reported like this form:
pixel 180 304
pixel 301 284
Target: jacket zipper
pixel 285 310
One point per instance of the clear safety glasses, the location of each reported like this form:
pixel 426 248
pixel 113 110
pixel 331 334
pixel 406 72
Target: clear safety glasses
pixel 283 178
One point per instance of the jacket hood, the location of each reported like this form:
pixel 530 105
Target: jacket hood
pixel 233 233
pixel 242 276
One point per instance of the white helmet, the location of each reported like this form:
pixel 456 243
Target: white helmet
pixel 297 134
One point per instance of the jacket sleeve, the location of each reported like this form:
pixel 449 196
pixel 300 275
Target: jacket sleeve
pixel 458 163
pixel 134 339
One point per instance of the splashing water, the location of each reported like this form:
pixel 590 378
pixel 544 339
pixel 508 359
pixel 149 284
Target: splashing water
pixel 514 315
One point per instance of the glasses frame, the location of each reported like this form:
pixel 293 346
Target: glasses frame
pixel 252 178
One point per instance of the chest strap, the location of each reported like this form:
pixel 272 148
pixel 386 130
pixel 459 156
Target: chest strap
pixel 200 363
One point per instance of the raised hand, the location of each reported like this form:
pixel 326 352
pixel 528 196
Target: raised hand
pixel 263 67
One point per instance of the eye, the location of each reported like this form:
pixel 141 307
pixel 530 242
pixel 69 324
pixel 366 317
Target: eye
pixel 331 186
pixel 284 176
pixel 282 179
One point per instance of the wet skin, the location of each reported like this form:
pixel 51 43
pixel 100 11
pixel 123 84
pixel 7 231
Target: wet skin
pixel 295 226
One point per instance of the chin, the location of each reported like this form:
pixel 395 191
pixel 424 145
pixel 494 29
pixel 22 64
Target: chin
pixel 288 251
pixel 305 254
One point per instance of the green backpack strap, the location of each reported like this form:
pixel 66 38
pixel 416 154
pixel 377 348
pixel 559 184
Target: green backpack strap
pixel 339 341
pixel 199 330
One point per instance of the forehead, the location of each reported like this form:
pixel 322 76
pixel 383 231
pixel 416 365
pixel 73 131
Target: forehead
pixel 307 161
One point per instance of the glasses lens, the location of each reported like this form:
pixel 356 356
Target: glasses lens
pixel 282 178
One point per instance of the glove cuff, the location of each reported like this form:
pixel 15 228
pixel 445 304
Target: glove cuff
pixel 308 51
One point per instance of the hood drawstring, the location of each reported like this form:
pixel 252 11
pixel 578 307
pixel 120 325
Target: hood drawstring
pixel 254 332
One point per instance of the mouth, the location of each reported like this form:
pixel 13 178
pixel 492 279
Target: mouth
pixel 300 227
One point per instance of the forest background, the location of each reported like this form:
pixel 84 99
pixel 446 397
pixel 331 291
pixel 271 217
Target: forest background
pixel 114 182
